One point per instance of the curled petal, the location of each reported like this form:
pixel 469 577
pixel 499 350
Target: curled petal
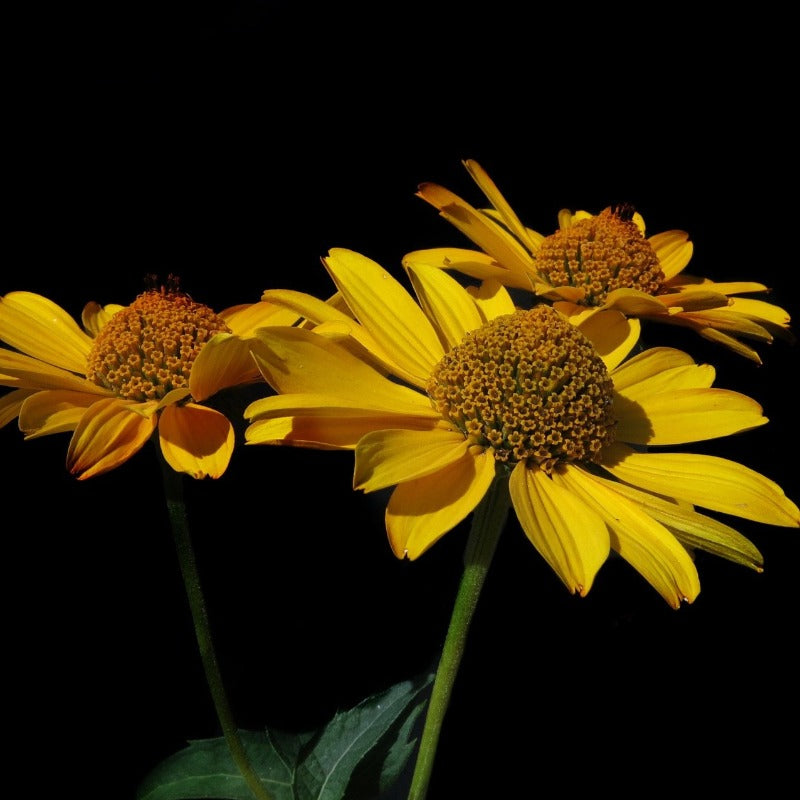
pixel 420 512
pixel 224 361
pixel 108 434
pixel 612 334
pixel 196 440
pixel 244 320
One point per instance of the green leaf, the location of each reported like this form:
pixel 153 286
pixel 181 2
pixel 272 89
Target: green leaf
pixel 359 754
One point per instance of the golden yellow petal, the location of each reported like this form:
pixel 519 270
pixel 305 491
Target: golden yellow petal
pixel 679 416
pixel 26 372
pixel 445 302
pixel 694 300
pixel 760 311
pixel 730 342
pixel 492 299
pixel 689 282
pixel 321 404
pixel 472 263
pixel 387 457
pixel 38 327
pixel 570 537
pixel 693 530
pixel 483 231
pixel 224 361
pixel 297 361
pixel 495 197
pixel 196 440
pixel 95 317
pixel 612 334
pixel 333 431
pixel 49 412
pixel 10 404
pixel 244 320
pixel 634 303
pixel 708 481
pixel 673 251
pixel 386 310
pixel 642 541
pixel 728 320
pixel 327 319
pixel 108 434
pixel 420 512
pixel 660 369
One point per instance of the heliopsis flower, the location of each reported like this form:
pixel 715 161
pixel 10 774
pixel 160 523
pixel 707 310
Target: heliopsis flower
pixel 129 371
pixel 436 397
pixel 601 261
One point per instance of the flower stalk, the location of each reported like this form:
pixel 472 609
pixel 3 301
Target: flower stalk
pixel 487 524
pixel 173 488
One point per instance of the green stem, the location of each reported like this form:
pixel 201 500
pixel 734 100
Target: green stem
pixel 487 525
pixel 173 488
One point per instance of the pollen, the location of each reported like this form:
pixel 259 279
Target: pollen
pixel 147 349
pixel 600 254
pixel 530 386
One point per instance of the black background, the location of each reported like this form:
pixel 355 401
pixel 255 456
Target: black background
pixel 233 145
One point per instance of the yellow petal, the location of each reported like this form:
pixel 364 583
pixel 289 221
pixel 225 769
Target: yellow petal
pixel 634 303
pixel 570 537
pixel 225 360
pixel 10 404
pixel 708 481
pixel 494 196
pixel 693 530
pixel 445 302
pixel 694 300
pixel 728 320
pixel 420 512
pixel 612 334
pixel 331 431
pixel 760 311
pixel 95 317
pixel 244 320
pixel 328 320
pixel 40 328
pixel 387 457
pixel 484 232
pixel 492 299
pixel 472 263
pixel 321 404
pixel 673 251
pixel 386 310
pixel 685 415
pixel 108 434
pixel 659 369
pixel 642 541
pixel 53 412
pixel 730 342
pixel 688 282
pixel 26 372
pixel 297 361
pixel 196 440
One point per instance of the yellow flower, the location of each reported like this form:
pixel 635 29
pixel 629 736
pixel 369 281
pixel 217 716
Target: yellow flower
pixel 435 397
pixel 130 370
pixel 601 261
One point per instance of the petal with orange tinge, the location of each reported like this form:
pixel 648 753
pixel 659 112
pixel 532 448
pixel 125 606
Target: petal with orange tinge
pixel 196 440
pixel 108 434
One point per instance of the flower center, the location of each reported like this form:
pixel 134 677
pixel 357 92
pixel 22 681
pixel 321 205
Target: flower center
pixel 529 385
pixel 148 348
pixel 600 254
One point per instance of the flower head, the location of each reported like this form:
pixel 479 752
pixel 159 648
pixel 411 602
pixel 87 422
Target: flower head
pixel 601 261
pixel 129 371
pixel 436 397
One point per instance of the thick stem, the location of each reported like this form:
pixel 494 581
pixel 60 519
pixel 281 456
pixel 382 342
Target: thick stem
pixel 173 488
pixel 487 525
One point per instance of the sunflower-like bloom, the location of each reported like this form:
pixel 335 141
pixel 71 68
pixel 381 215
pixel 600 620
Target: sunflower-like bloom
pixel 436 397
pixel 130 370
pixel 601 261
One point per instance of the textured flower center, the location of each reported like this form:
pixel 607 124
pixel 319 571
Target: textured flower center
pixel 600 254
pixel 148 348
pixel 529 385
